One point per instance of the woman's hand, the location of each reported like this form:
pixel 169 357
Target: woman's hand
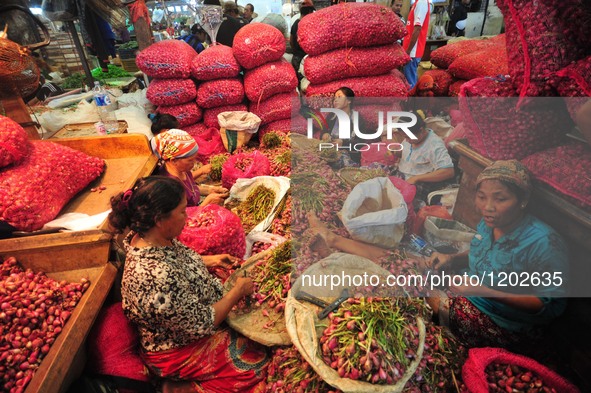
pixel 244 285
pixel 439 261
pixel 325 137
pixel 225 261
pixel 215 198
pixel 219 190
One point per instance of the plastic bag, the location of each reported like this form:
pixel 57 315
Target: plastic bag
pixel 242 188
pixel 236 128
pixel 375 213
pixel 435 211
pixel 264 237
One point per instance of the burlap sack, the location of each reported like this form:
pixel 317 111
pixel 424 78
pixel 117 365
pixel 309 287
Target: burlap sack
pixel 301 321
pixel 237 128
pixel 251 324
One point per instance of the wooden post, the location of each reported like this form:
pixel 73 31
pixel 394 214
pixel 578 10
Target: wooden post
pixel 143 33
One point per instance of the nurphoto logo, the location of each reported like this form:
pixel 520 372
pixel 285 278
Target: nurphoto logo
pixel 392 124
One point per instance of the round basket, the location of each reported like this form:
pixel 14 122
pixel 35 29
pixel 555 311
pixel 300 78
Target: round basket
pixel 354 176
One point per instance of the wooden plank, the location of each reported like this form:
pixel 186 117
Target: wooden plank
pixel 16 109
pixel 57 370
pixel 60 251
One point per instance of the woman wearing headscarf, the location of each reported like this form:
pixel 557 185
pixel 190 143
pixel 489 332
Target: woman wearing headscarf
pixel 177 153
pixel 178 307
pixel 508 241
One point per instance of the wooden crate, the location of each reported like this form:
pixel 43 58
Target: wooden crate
pixel 128 157
pixel 129 65
pixel 70 262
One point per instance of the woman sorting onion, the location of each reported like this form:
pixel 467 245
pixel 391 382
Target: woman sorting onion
pixel 176 304
pixel 508 240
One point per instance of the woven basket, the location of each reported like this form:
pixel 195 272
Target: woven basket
pixel 354 176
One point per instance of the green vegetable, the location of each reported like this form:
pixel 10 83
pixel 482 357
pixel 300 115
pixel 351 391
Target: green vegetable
pixel 129 45
pixel 74 81
pixel 114 72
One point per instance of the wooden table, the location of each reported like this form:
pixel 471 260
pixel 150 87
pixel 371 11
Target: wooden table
pixel 16 109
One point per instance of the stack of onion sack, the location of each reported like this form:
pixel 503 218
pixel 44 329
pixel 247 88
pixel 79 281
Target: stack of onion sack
pixel 244 166
pixel 469 59
pixel 538 44
pixel 497 370
pixel 352 45
pixel 289 372
pixel 373 339
pixel 268 78
pixel 34 310
pixel 498 129
pixel 34 191
pixel 565 168
pixel 212 230
pixel 172 90
pixel 220 88
pixel 574 81
pixel 14 142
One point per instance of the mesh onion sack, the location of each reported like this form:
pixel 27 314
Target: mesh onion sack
pixel 166 59
pixel 347 25
pixel 258 43
pixel 186 114
pixel 244 166
pixel 575 81
pixel 197 129
pixel 475 378
pixel 14 142
pixel 269 79
pixel 442 80
pixel 33 192
pixel 171 91
pixel 388 85
pixel 574 18
pixel 352 62
pixel 215 62
pixel 487 62
pixel 455 87
pixel 210 144
pixel 297 125
pixel 444 56
pixel 113 346
pixel 210 116
pixel 220 92
pixel 497 128
pixel 212 230
pixel 278 107
pixel 565 168
pixel 537 45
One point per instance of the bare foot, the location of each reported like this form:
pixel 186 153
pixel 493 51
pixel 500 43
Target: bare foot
pixel 321 236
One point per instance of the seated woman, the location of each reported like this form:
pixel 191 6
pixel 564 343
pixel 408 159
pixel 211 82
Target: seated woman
pixel 163 122
pixel 425 161
pixel 343 100
pixel 177 153
pixel 508 240
pixel 177 306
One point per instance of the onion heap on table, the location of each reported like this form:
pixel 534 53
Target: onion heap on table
pixel 33 311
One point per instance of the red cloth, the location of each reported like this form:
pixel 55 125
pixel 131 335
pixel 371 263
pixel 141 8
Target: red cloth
pixel 221 363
